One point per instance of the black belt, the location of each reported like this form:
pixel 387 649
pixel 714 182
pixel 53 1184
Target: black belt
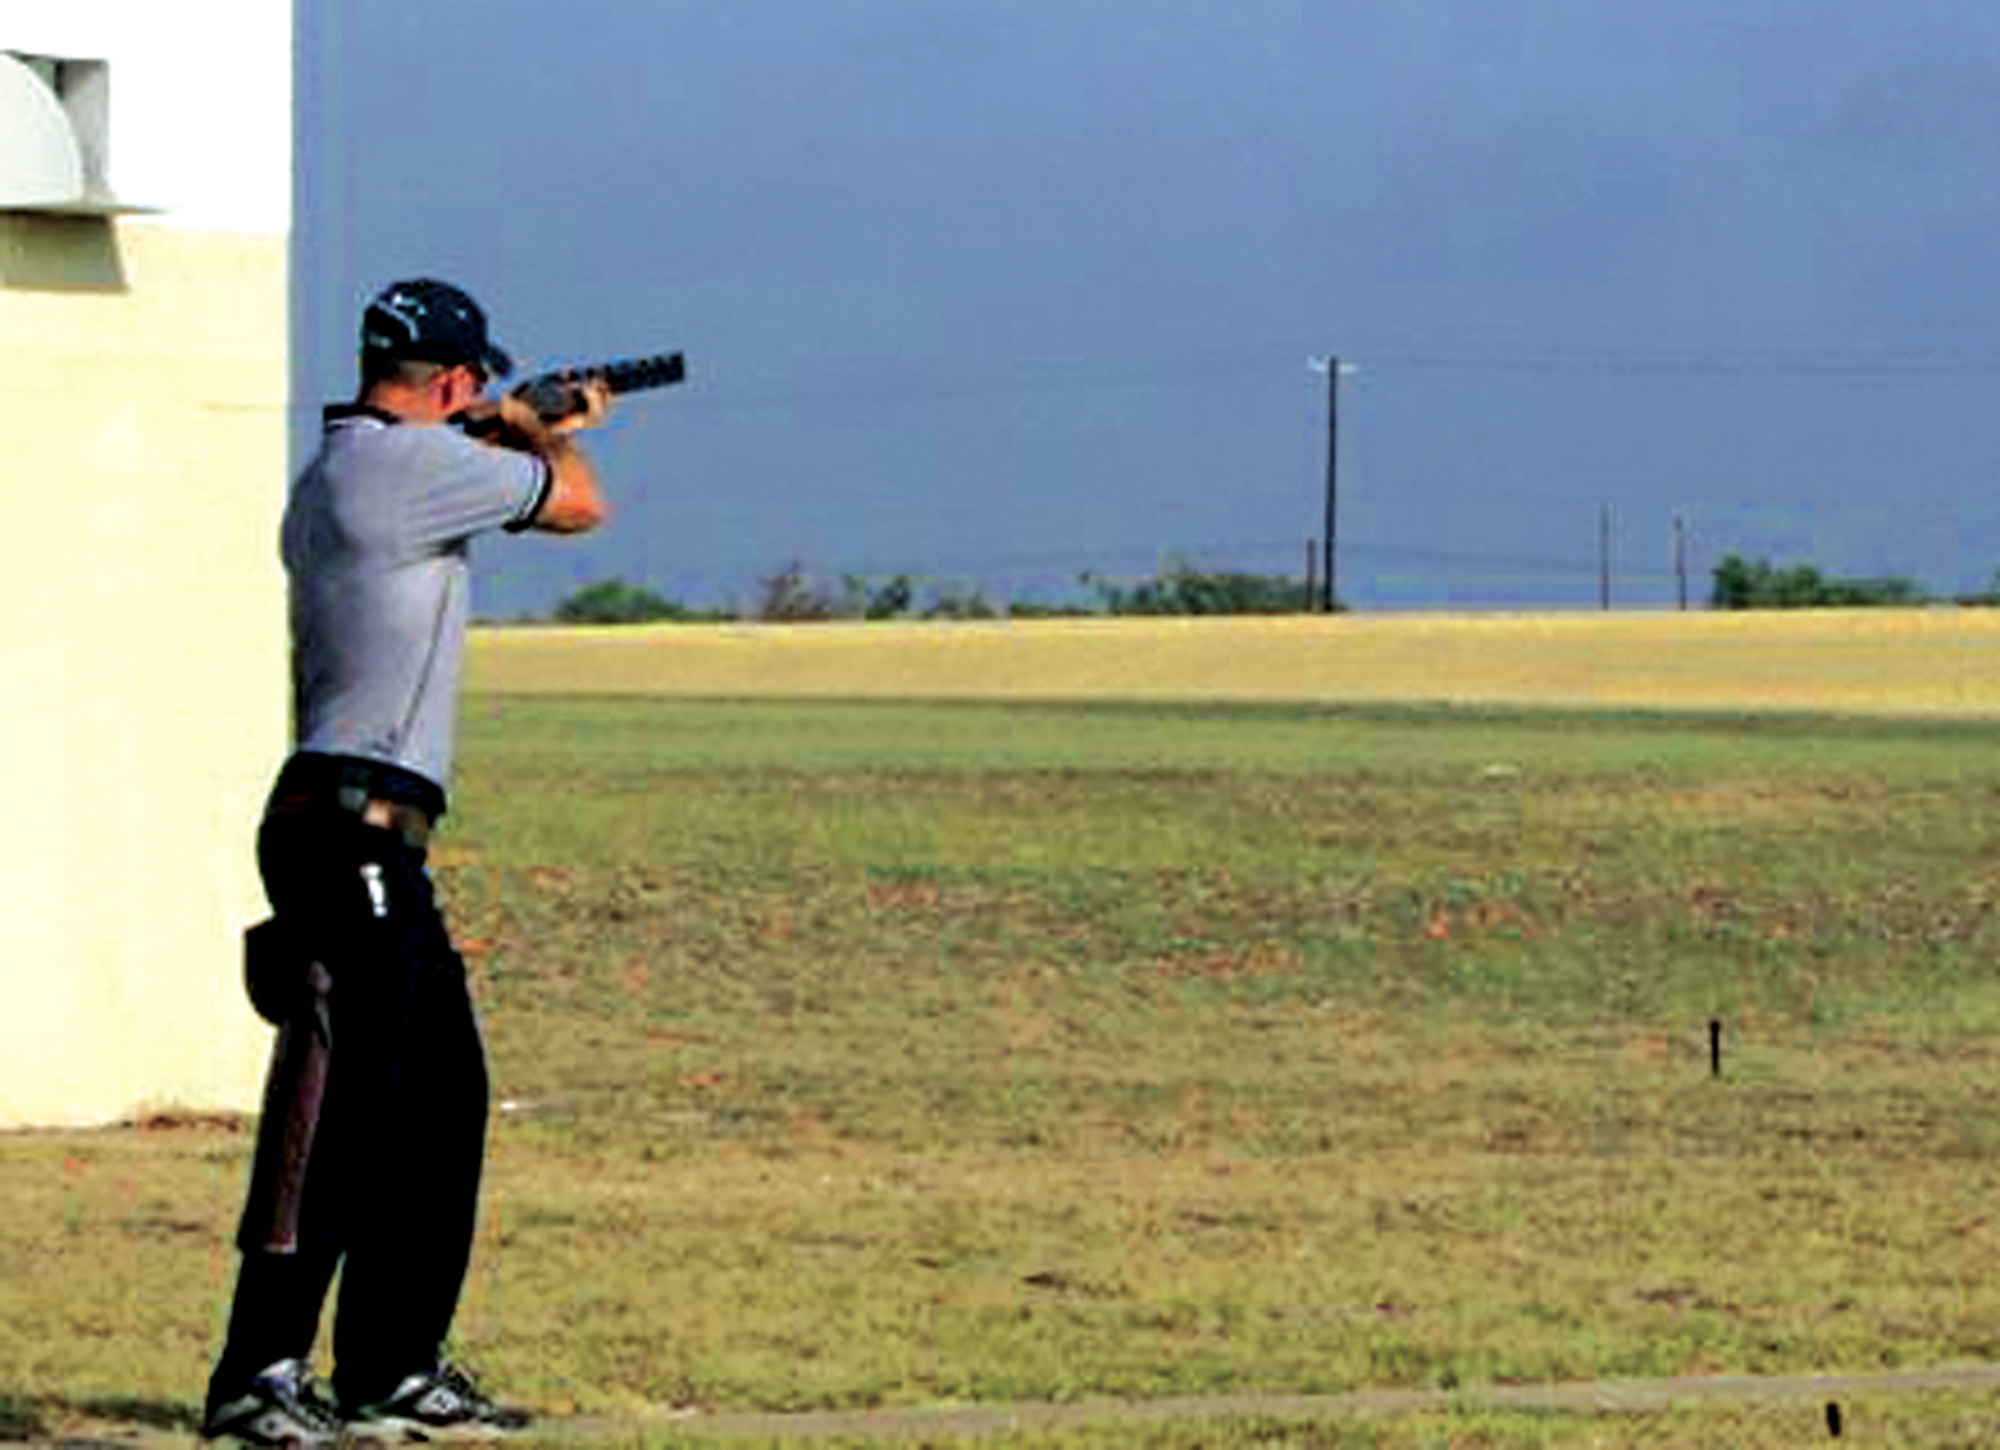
pixel 408 821
pixel 359 787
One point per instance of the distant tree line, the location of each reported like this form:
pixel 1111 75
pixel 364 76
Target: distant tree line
pixel 793 596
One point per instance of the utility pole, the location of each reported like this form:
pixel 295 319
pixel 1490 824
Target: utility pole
pixel 1312 575
pixel 1333 367
pixel 1605 557
pixel 1332 472
pixel 1681 559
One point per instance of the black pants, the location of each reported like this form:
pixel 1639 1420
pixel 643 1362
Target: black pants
pixel 391 1181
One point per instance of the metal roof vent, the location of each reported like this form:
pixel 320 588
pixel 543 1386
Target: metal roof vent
pixel 54 118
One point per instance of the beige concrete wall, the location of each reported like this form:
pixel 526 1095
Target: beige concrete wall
pixel 142 658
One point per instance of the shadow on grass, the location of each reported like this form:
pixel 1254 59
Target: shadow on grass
pixel 153 1414
pixel 29 1417
pixel 19 1419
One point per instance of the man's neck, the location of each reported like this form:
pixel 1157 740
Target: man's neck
pixel 405 405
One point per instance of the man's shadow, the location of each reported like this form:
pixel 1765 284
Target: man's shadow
pixel 47 1419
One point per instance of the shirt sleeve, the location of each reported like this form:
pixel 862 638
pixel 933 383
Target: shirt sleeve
pixel 459 487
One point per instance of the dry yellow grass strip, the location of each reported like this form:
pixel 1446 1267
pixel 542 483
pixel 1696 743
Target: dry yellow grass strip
pixel 1904 662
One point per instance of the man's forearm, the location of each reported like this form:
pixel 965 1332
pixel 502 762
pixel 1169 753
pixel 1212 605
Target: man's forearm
pixel 575 503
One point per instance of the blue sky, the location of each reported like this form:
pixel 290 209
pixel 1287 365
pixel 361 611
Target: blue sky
pixel 1000 291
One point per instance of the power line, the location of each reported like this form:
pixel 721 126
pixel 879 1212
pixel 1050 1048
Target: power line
pixel 1697 363
pixel 1213 556
pixel 1059 376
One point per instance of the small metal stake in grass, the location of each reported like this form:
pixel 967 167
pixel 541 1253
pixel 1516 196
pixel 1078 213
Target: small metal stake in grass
pixel 1715 1047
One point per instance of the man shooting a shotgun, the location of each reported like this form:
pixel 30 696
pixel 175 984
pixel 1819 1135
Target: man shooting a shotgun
pixel 373 1132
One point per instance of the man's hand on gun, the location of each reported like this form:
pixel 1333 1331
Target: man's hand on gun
pixel 511 421
pixel 552 404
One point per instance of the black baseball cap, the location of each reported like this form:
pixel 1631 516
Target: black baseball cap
pixel 425 320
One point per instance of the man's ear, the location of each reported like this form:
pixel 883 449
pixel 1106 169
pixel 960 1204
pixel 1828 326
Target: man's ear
pixel 455 390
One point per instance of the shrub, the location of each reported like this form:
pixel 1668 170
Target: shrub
pixel 1741 583
pixel 1183 589
pixel 790 597
pixel 613 601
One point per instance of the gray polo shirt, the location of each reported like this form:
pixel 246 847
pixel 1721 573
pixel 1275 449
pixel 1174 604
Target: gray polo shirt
pixel 375 542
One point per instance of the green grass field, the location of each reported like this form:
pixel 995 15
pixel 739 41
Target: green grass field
pixel 890 1054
